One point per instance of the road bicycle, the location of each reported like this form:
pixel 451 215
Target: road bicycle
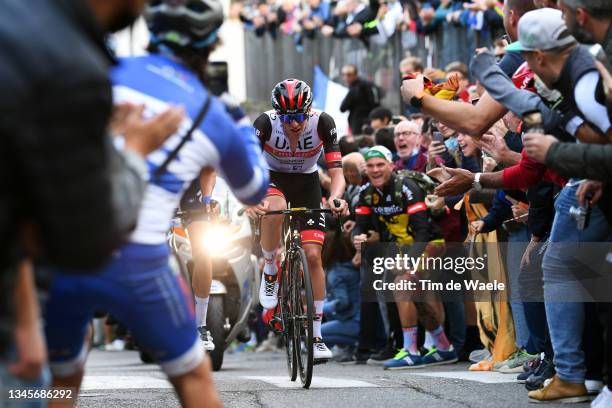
pixel 294 314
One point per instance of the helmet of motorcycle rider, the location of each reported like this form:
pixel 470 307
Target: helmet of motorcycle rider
pixel 184 23
pixel 291 96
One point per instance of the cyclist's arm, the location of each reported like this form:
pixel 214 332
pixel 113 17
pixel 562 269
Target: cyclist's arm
pixel 208 178
pixel 326 128
pixel 263 129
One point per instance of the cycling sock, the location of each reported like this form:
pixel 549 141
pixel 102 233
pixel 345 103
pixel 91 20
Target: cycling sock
pixel 316 324
pixel 439 339
pixel 429 341
pixel 201 310
pixel 410 339
pixel 269 259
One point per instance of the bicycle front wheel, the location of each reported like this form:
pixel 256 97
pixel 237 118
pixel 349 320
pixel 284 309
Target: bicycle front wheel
pixel 286 315
pixel 304 316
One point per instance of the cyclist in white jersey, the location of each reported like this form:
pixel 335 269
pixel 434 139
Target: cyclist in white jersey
pixel 293 136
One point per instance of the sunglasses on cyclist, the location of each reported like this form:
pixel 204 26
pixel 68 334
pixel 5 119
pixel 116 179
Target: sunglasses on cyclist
pixel 290 117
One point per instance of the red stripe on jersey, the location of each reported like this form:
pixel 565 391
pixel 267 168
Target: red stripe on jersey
pixel 415 208
pixel 333 156
pixel 312 237
pixel 288 153
pixel 363 210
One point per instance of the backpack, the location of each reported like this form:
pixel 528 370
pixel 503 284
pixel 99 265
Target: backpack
pixel 422 180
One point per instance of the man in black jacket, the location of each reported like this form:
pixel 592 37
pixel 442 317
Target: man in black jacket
pixel 363 96
pixel 66 195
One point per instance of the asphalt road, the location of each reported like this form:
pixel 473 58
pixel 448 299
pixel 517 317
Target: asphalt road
pixel 119 379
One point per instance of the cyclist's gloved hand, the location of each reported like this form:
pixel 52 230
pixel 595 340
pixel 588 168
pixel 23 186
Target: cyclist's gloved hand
pixel 338 206
pixel 258 210
pixel 210 205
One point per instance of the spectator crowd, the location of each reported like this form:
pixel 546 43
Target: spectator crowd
pixel 372 22
pixel 519 156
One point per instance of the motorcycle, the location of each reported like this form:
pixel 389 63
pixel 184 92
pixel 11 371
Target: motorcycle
pixel 235 283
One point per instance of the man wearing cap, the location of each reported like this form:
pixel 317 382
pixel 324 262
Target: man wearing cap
pixel 394 207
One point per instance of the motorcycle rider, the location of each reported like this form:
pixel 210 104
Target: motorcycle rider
pixel 198 197
pixel 293 136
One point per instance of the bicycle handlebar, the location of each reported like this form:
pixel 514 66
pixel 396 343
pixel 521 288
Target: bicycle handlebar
pixel 295 210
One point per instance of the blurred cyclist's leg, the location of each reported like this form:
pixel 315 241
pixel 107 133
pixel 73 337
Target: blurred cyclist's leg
pixel 201 278
pixel 196 388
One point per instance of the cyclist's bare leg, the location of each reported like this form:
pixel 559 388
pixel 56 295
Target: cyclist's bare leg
pixel 202 264
pixel 315 266
pixel 271 225
pixel 196 388
pixel 317 277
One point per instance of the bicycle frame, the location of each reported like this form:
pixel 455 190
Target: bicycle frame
pixel 295 293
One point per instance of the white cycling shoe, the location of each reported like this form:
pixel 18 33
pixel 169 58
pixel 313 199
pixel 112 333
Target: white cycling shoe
pixel 206 338
pixel 320 350
pixel 268 291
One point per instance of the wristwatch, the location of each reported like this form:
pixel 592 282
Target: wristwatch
pixel 476 183
pixel 417 100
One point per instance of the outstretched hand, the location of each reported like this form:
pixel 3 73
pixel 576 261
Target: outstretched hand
pixel 145 135
pixel 460 181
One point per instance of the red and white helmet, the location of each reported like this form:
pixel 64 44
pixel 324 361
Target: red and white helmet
pixel 291 96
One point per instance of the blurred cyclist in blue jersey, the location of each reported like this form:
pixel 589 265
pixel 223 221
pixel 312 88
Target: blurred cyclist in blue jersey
pixel 137 286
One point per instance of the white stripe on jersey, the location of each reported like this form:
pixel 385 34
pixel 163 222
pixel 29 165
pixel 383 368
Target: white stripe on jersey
pixel 158 203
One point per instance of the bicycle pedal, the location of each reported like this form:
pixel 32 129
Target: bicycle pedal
pixel 275 325
pixel 318 361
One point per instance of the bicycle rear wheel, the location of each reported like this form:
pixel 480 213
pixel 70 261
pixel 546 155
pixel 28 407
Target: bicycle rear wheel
pixel 286 316
pixel 304 316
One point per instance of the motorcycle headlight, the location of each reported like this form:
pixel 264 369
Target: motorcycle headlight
pixel 218 238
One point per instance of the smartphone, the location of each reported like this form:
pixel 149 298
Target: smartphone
pixel 437 137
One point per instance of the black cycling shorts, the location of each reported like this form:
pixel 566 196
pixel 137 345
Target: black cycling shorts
pixel 301 190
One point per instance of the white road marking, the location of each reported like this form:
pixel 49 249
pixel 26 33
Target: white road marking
pixel 317 382
pixel 486 377
pixel 114 382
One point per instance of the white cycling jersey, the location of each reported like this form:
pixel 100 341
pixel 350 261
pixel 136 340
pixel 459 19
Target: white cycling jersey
pixel 319 135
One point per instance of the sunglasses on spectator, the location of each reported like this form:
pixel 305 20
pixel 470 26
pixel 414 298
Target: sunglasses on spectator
pixel 290 117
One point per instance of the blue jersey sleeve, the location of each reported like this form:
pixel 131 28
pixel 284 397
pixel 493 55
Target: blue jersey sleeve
pixel 243 167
